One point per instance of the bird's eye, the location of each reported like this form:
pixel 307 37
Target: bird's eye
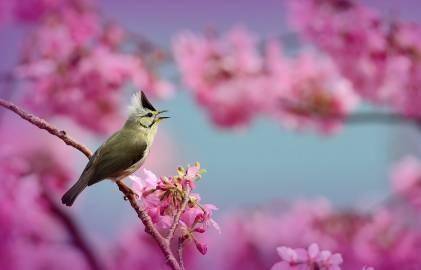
pixel 149 115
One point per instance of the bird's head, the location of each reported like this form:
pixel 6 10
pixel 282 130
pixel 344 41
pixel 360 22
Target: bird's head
pixel 143 113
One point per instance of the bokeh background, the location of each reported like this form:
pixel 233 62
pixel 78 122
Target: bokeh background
pixel 247 168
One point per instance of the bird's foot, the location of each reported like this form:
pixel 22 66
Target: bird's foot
pixel 131 193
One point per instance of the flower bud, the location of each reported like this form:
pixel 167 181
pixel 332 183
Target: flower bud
pixel 202 248
pixel 199 230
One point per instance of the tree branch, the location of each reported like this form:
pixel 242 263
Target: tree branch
pixel 144 43
pixel 381 117
pixel 163 243
pixel 177 216
pixel 42 124
pixel 180 252
pixel 355 118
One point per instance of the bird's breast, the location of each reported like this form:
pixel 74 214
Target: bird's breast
pixel 139 163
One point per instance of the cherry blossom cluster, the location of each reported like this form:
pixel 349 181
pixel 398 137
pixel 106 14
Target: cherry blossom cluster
pixel 29 11
pixel 384 238
pixel 31 174
pixel 236 83
pixel 364 56
pixel 74 56
pixel 166 197
pixel 381 57
pixel 406 180
pixel 224 74
pixel 307 259
pixel 315 96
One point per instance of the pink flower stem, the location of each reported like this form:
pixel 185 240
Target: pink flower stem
pixel 177 216
pixel 163 243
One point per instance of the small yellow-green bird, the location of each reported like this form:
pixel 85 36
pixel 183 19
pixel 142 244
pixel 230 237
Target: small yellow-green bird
pixel 124 152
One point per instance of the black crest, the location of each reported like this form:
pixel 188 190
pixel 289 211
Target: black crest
pixel 146 103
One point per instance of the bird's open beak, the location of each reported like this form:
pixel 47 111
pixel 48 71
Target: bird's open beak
pixel 162 117
pixel 160 112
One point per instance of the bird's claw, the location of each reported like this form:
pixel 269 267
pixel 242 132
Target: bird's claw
pixel 131 193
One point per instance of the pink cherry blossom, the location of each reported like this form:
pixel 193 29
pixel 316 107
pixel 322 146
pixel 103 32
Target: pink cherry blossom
pixel 386 237
pixel 72 58
pixel 28 11
pixel 317 95
pixel 31 170
pixel 163 198
pixel 406 179
pixel 199 219
pixel 339 27
pixel 136 250
pixel 223 74
pixel 307 259
pixel 235 83
pixel 147 180
pixel 208 60
pixel 381 58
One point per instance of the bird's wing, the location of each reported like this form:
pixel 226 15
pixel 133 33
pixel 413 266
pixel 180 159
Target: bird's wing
pixel 116 155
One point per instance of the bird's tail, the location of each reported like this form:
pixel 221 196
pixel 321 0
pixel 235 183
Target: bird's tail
pixel 70 196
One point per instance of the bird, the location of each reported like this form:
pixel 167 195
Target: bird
pixel 125 151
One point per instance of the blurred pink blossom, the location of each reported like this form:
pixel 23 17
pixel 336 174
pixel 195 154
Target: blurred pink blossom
pixel 235 83
pixel 223 74
pixel 136 250
pixel 26 11
pixel 381 58
pixel 317 96
pixel 312 258
pixel 386 243
pixel 380 239
pixel 406 179
pixel 72 65
pixel 31 169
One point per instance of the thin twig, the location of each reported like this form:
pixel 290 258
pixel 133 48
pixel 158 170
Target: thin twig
pixel 163 243
pixel 180 252
pixel 381 117
pixel 42 124
pixel 356 118
pixel 177 216
pixel 145 44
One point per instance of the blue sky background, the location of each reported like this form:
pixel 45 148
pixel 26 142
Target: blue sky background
pixel 264 163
